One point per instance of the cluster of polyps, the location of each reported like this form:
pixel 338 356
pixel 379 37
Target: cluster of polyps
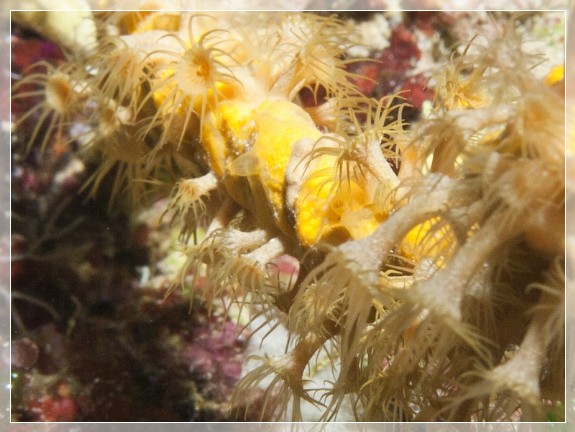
pixel 422 276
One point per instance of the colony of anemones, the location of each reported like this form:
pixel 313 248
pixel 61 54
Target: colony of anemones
pixel 429 259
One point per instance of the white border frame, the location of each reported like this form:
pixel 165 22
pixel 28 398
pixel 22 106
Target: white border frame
pixel 568 6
